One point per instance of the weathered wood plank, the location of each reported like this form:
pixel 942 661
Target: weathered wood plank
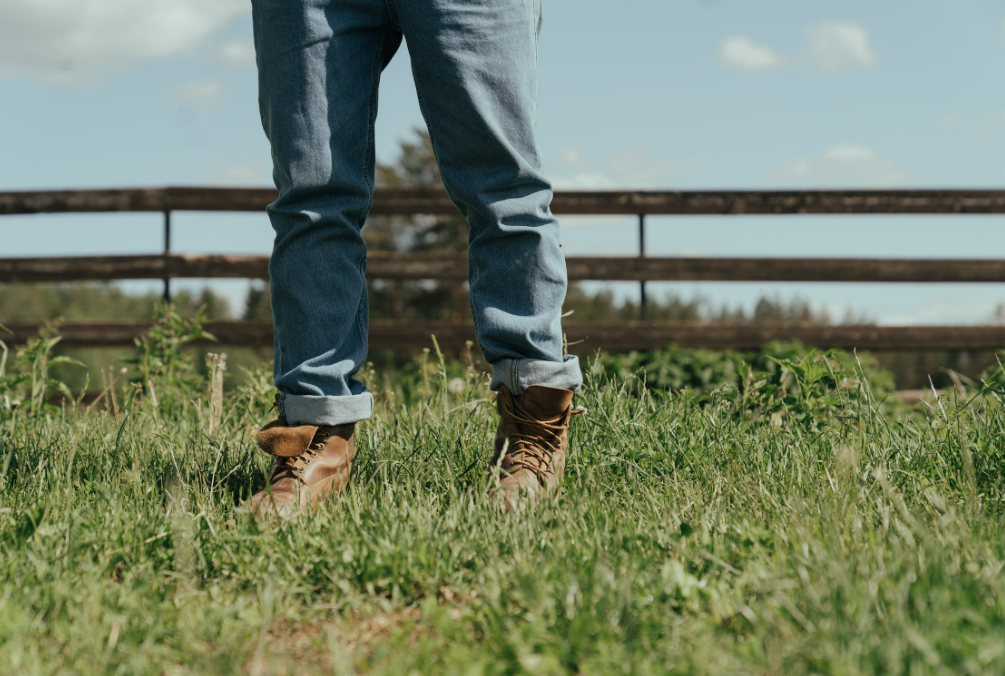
pixel 106 268
pixel 454 267
pixel 608 336
pixel 436 202
pixel 786 269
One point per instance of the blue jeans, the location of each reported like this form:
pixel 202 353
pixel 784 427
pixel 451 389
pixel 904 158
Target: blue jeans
pixel 475 68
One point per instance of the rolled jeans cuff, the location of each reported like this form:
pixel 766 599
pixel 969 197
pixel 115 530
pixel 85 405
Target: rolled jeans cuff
pixel 519 374
pixel 299 409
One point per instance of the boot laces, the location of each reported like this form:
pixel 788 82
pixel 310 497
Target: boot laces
pixel 293 467
pixel 533 444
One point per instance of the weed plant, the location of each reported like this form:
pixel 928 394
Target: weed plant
pixel 777 517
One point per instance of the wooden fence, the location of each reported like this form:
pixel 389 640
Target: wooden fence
pixel 453 267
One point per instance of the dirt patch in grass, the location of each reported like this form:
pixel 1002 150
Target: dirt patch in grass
pixel 331 644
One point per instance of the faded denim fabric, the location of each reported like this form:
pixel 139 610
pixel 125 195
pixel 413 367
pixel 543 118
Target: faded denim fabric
pixel 475 68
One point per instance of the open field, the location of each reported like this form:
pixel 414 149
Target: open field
pixel 788 521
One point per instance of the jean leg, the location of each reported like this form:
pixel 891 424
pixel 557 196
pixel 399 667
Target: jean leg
pixel 475 69
pixel 319 65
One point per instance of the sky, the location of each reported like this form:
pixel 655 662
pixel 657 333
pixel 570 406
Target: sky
pixel 644 94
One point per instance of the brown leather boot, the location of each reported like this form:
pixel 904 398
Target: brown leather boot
pixel 531 442
pixel 312 462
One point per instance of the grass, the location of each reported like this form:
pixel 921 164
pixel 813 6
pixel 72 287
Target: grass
pixel 794 524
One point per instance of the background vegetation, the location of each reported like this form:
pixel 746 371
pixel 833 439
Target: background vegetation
pixel 431 300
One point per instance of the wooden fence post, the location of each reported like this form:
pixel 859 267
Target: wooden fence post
pixel 167 255
pixel 643 311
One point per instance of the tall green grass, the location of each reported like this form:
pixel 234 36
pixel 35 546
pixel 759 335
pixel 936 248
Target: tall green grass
pixel 786 520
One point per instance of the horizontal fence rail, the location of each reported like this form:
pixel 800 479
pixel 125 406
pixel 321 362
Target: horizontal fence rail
pixel 605 202
pixel 454 267
pixel 385 334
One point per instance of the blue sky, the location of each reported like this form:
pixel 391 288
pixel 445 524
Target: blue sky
pixel 635 94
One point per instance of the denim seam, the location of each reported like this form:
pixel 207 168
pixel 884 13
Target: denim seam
pixel 472 278
pixel 537 43
pixel 472 266
pixel 436 156
pixel 277 349
pixel 366 174
pixel 392 14
pixel 371 121
pixel 359 310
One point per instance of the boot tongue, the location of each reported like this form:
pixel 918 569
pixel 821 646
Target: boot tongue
pixel 546 403
pixel 285 441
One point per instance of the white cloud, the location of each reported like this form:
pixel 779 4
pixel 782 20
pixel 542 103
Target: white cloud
pixel 238 53
pixel 832 45
pixel 571 169
pixel 197 96
pixel 741 52
pixel 58 39
pixel 243 174
pixel 951 121
pixel 985 127
pixel 585 180
pixel 844 166
pixel 849 154
pixel 570 155
pixel 988 126
pixel 839 44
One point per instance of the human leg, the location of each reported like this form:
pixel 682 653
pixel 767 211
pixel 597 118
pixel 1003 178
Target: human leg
pixel 475 68
pixel 319 65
